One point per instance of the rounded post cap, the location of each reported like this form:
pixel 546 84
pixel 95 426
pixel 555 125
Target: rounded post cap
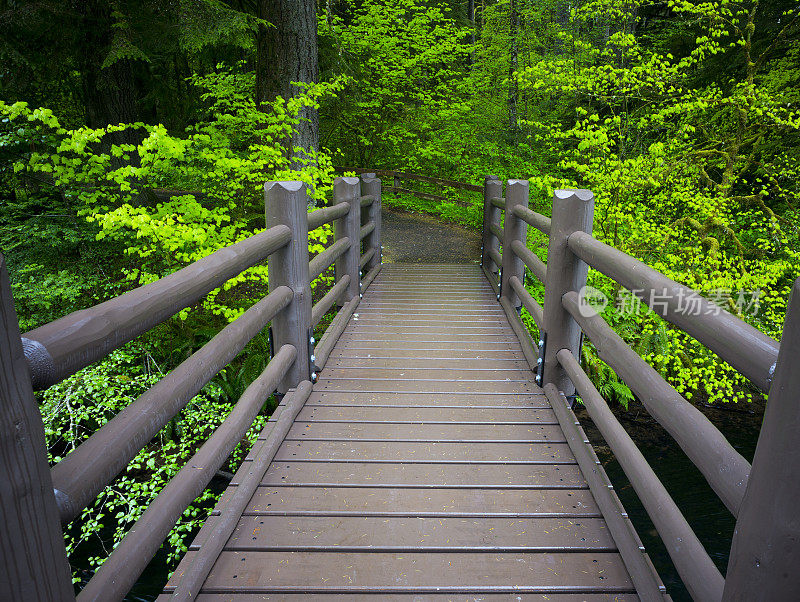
pixel 287 185
pixel 581 194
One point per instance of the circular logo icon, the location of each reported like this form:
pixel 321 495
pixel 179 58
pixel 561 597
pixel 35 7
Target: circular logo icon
pixel 591 301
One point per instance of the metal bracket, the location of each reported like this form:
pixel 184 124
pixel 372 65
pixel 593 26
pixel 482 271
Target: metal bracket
pixel 271 340
pixel 499 283
pixel 540 366
pixel 312 367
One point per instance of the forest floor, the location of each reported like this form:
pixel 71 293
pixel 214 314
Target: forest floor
pixel 418 238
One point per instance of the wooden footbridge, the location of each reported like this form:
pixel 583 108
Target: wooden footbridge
pixel 425 447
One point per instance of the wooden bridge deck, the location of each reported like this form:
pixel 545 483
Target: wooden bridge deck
pixel 426 464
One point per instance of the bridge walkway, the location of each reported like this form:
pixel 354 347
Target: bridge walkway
pixel 426 464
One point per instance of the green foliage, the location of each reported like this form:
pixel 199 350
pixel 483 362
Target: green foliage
pixel 75 408
pixel 223 161
pixel 683 123
pixel 404 60
pixel 89 216
pixel 688 175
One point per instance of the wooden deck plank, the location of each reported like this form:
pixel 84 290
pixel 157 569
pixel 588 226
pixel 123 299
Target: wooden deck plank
pixel 441 385
pixel 421 572
pixel 525 433
pixel 347 413
pixel 359 474
pixel 440 400
pixel 425 464
pixel 407 534
pixel 432 452
pixel 431 352
pixel 441 502
pixel 427 374
pixel 458 364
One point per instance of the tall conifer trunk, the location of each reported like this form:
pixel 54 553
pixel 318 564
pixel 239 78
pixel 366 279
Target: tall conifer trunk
pixel 513 86
pixel 287 52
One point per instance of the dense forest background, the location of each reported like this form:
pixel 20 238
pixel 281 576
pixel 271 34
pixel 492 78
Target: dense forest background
pixel 135 138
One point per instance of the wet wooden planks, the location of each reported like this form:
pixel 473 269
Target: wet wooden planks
pixel 425 463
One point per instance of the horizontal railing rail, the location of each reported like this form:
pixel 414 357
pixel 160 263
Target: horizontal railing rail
pixel 121 570
pixel 84 472
pixel 322 262
pixel 694 565
pixel 325 304
pixel 744 347
pixel 723 467
pixel 223 527
pixel 537 220
pixel 64 346
pixel 325 215
pixel 398 177
pixel 50 353
pixel 565 318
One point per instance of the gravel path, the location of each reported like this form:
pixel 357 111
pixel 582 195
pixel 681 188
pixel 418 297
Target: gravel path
pixel 418 238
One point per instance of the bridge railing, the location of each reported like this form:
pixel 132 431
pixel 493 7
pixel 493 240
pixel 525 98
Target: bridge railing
pixel 36 500
pixel 762 498
pixel 399 177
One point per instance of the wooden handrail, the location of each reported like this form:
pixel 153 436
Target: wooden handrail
pixel 326 215
pixel 531 261
pixel 528 302
pixel 224 526
pixel 326 259
pixel 537 220
pixel 694 565
pixel 365 258
pixel 64 346
pixel 121 570
pixel 366 229
pixel 641 570
pixel 744 347
pixel 572 250
pixel 61 348
pixel 332 296
pixel 85 471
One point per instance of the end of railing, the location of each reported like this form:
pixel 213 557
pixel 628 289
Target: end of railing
pixel 573 211
pixel 286 203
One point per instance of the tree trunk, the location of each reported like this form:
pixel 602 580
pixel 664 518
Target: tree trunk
pixel 286 53
pixel 513 86
pixel 109 92
pixel 471 18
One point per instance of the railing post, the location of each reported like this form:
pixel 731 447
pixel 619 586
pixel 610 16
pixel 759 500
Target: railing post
pixel 287 204
pixel 573 210
pixel 517 193
pixel 32 551
pixel 765 552
pixel 492 188
pixel 348 190
pixel 371 184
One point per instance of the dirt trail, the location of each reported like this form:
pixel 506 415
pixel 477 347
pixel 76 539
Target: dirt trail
pixel 418 238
